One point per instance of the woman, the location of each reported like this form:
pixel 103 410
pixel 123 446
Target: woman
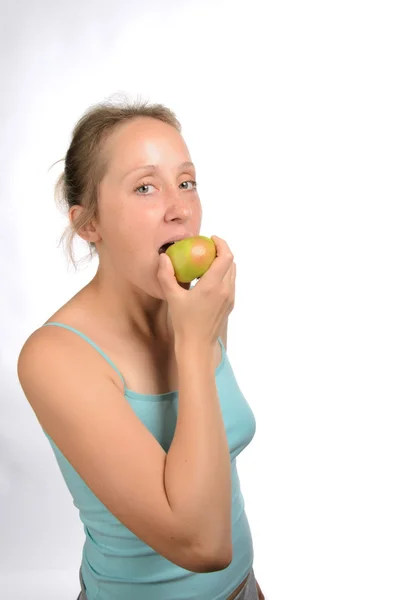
pixel 152 470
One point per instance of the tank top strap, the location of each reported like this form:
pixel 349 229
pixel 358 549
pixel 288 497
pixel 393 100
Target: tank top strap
pixel 222 345
pixel 111 363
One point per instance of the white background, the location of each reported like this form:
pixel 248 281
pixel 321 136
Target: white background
pixel 289 111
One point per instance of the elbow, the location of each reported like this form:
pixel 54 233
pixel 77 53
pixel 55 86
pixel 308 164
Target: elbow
pixel 209 561
pixel 218 562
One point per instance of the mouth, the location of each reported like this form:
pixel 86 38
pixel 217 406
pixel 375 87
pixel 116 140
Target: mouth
pixel 164 247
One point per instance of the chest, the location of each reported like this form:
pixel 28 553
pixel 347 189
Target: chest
pixel 149 370
pixel 160 415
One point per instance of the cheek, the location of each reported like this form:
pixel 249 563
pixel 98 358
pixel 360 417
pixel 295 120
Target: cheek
pixel 129 227
pixel 197 218
pixel 197 213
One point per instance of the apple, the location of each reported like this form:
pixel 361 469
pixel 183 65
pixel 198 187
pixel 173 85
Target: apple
pixel 191 257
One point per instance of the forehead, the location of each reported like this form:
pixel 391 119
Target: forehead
pixel 145 140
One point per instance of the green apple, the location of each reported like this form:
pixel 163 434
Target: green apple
pixel 191 257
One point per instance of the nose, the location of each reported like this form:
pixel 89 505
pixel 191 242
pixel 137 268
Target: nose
pixel 179 209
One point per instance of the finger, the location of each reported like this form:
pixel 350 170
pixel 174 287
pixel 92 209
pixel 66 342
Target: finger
pixel 220 266
pixel 166 275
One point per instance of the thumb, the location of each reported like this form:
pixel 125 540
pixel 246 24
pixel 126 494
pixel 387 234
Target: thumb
pixel 166 275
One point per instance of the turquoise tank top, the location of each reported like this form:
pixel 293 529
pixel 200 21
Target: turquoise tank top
pixel 116 564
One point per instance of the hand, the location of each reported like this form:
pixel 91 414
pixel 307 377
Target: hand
pixel 260 593
pixel 199 313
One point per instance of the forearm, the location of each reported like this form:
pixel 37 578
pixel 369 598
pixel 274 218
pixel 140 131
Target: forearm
pixel 197 472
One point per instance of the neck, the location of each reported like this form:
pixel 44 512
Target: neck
pixel 129 310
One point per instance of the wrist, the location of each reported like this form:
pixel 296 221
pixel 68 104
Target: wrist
pixel 193 350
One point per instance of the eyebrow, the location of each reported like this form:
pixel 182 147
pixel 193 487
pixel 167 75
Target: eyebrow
pixel 184 165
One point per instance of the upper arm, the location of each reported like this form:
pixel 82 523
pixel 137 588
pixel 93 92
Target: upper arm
pixel 94 427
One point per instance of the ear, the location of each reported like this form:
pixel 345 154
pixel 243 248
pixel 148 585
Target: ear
pixel 88 232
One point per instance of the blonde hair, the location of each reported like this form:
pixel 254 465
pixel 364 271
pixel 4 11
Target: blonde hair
pixel 85 165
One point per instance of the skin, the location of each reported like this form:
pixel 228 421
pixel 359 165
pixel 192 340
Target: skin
pixel 134 221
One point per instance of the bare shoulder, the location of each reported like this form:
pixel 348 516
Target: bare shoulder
pixel 54 356
pixel 57 346
pixel 60 343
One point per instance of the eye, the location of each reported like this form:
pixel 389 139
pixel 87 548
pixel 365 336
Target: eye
pixel 144 188
pixel 194 185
